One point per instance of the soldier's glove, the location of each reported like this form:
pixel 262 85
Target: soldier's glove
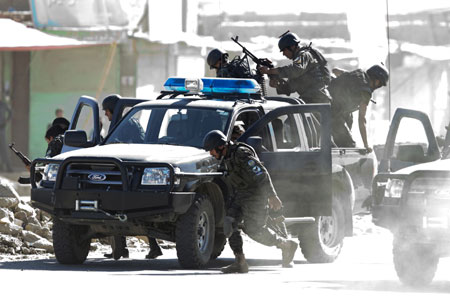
pixel 229 226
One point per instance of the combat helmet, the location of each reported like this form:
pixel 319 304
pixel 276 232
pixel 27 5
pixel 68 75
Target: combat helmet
pixel 288 39
pixel 110 102
pixel 379 72
pixel 215 55
pixel 213 140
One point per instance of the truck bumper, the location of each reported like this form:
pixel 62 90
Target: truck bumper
pixel 133 204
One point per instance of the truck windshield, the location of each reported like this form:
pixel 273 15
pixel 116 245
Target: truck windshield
pixel 176 126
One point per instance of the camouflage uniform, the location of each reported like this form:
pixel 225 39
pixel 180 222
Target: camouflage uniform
pixel 349 91
pixel 252 187
pixel 55 146
pixel 306 77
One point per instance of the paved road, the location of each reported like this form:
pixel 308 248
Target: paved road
pixel 362 277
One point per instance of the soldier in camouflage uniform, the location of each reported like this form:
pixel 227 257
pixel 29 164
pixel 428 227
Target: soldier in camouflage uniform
pixel 352 91
pixel 252 189
pixel 237 68
pixel 308 74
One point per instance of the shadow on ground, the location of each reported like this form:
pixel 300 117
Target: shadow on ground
pixel 169 266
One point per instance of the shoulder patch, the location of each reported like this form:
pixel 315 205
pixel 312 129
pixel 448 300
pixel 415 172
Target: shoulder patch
pixel 298 60
pixel 251 163
pixel 256 169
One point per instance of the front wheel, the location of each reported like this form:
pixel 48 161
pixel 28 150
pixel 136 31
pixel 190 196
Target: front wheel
pixel 69 242
pixel 415 264
pixel 195 234
pixel 322 241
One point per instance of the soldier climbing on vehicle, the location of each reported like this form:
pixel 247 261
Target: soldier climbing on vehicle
pixel 308 74
pixel 352 91
pixel 253 195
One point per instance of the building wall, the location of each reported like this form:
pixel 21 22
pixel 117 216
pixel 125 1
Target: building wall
pixel 59 77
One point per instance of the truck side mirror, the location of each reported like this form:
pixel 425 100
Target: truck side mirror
pixel 76 138
pixel 256 143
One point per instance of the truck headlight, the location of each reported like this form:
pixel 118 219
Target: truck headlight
pixel 394 188
pixel 156 176
pixel 50 172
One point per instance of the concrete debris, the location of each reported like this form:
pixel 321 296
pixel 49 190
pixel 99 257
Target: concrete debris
pixel 23 229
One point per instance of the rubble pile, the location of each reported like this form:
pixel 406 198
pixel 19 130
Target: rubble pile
pixel 23 229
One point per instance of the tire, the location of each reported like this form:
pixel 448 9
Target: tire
pixel 68 244
pixel 322 241
pixel 219 245
pixel 415 264
pixel 195 234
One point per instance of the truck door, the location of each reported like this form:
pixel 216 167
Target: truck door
pixel 300 173
pixel 86 118
pixel 410 141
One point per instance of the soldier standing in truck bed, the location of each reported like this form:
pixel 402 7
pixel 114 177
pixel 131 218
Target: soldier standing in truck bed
pixel 308 74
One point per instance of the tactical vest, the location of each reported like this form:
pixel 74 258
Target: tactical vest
pixel 233 168
pixel 346 91
pixel 325 74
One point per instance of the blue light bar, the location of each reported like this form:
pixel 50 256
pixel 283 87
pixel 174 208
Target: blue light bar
pixel 216 85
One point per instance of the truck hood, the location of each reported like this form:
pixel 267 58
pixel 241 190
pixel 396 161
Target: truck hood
pixel 438 165
pixel 156 153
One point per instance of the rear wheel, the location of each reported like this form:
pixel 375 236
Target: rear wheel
pixel 69 242
pixel 415 264
pixel 195 234
pixel 322 241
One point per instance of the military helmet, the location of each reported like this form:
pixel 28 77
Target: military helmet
pixel 380 72
pixel 215 55
pixel 213 140
pixel 110 102
pixel 287 40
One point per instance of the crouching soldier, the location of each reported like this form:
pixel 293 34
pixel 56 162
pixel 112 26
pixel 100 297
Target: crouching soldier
pixel 252 190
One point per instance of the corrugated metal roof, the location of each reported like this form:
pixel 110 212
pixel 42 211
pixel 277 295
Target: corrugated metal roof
pixel 17 37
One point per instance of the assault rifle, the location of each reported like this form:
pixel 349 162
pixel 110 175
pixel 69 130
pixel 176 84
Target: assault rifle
pixel 22 157
pixel 282 85
pixel 27 163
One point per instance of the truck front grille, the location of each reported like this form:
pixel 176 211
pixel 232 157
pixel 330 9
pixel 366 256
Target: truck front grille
pixel 96 176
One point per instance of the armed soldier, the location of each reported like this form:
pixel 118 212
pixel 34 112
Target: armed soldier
pixel 352 91
pixel 237 68
pixel 308 74
pixel 252 189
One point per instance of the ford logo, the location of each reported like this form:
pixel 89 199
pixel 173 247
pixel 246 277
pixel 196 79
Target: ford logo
pixel 97 177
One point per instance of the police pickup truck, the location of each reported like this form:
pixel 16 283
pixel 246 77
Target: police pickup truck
pixel 411 197
pixel 164 185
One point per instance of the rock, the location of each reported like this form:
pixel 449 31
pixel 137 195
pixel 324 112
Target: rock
pixel 26 208
pixel 30 237
pixel 8 202
pixel 18 222
pixel 5 220
pixel 34 220
pixel 25 250
pixel 41 231
pixel 44 244
pixel 10 241
pixel 10 228
pixel 7 190
pixel 21 215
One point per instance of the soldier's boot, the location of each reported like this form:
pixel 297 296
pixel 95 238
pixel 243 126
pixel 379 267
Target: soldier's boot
pixel 288 248
pixel 239 266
